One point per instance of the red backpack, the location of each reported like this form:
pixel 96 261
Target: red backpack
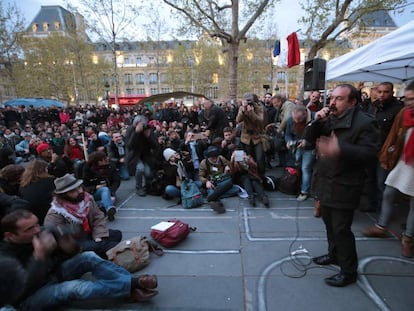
pixel 173 235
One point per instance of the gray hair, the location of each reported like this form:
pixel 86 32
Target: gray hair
pixel 139 118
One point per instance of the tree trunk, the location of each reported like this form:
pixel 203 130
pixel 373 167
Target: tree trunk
pixel 233 62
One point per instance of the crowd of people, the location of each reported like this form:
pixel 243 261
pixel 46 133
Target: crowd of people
pixel 77 157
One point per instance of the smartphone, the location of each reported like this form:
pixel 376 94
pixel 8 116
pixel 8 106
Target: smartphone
pixel 239 155
pixel 199 136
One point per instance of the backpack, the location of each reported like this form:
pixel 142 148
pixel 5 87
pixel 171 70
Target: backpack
pixel 289 182
pixel 191 196
pixel 176 232
pixel 270 183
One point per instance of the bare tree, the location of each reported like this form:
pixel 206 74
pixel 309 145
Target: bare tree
pixel 221 21
pixel 11 26
pixel 326 20
pixel 110 20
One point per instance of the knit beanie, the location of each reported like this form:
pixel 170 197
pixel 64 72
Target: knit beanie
pixel 168 153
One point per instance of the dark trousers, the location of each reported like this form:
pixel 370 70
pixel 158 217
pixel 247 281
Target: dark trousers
pixel 100 248
pixel 341 240
pixel 252 185
pixel 256 151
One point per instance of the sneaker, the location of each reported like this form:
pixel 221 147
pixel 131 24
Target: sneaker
pixel 375 232
pixel 302 197
pixel 111 213
pixel 217 207
pixel 141 192
pixel 266 201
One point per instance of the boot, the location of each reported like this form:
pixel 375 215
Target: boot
pixel 407 248
pixel 375 232
pixel 317 209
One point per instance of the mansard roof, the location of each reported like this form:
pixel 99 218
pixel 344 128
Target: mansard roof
pixel 379 18
pixel 52 18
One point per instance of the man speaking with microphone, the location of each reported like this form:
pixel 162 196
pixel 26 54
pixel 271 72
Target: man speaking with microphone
pixel 346 139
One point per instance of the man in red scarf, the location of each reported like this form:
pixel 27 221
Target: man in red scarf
pixel 72 205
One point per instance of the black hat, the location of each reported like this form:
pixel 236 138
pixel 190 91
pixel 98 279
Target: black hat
pixel 213 151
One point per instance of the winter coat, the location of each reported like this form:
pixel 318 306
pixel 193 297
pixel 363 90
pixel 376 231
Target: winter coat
pixel 252 124
pixel 338 182
pixel 96 219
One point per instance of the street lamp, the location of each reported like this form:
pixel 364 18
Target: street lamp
pixel 107 86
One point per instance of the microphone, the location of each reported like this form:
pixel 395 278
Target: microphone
pixel 318 117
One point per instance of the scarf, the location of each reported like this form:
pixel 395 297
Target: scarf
pixel 121 149
pixel 76 213
pixel 408 121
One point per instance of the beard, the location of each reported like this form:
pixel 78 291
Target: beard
pixel 77 199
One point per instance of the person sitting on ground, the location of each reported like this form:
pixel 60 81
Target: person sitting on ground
pixel 245 169
pixel 215 175
pixel 175 171
pixel 23 149
pixel 54 267
pixel 10 177
pixel 73 150
pixel 36 180
pixel 116 152
pixel 58 165
pixel 73 205
pixel 101 180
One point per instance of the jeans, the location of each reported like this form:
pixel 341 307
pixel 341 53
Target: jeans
pixel 123 171
pixel 175 192
pixel 103 195
pixel 252 185
pixel 307 159
pixel 229 193
pixel 256 151
pixel 172 191
pixel 387 207
pixel 110 281
pixel 142 169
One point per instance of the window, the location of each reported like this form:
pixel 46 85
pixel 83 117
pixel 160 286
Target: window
pixel 57 25
pixel 153 91
pixel 153 78
pixel 215 78
pixel 163 78
pixel 45 26
pixel 152 60
pixel 130 91
pixel 139 61
pixel 212 92
pixel 140 91
pixel 126 60
pixel 139 78
pixel 165 90
pixel 34 27
pixel 128 79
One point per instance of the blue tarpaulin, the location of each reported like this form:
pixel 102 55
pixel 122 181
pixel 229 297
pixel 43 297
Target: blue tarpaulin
pixel 35 102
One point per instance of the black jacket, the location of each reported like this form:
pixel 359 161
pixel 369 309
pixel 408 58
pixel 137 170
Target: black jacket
pixel 338 182
pixel 216 120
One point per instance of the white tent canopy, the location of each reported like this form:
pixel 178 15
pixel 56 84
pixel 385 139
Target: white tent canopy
pixel 390 58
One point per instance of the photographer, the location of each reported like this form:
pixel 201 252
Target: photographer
pixel 54 268
pixel 301 151
pixel 215 175
pixel 140 149
pixel 251 114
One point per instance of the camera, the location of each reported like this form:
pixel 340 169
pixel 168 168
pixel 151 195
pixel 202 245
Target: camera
pixel 250 103
pixel 60 231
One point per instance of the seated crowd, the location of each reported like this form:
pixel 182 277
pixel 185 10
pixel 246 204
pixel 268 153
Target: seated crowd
pixel 78 157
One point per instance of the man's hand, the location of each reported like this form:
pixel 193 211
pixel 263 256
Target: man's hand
pixel 322 114
pixel 328 146
pixel 43 245
pixel 209 185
